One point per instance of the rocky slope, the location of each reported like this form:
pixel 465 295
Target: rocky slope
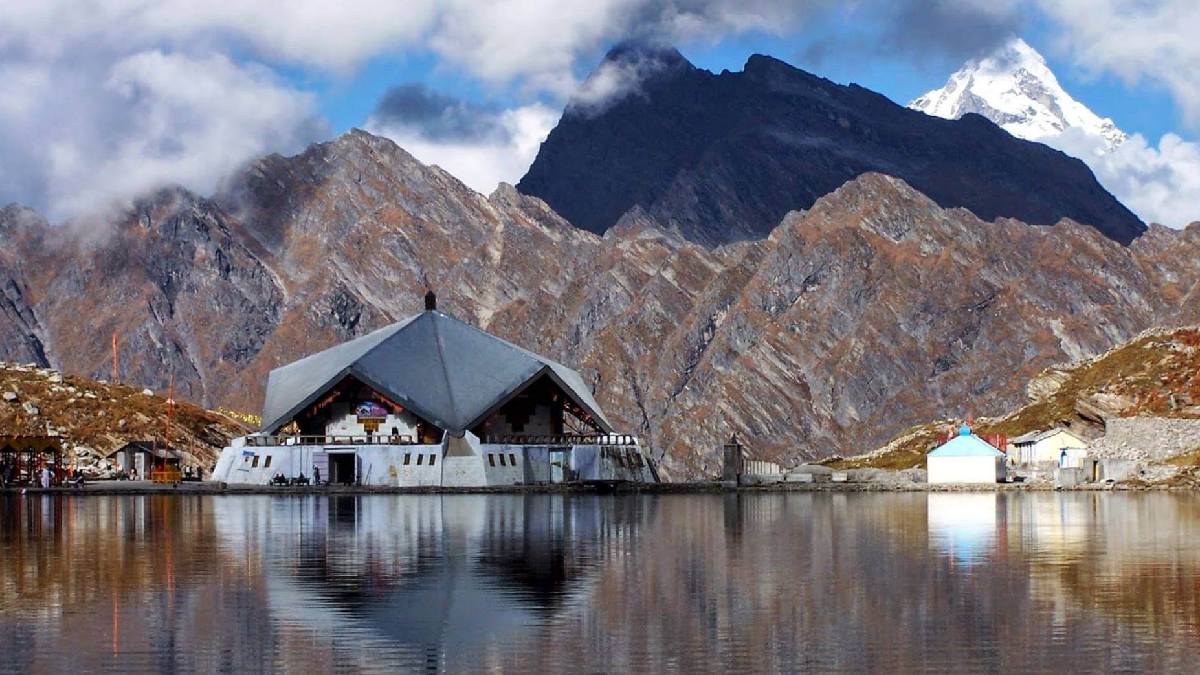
pixel 871 311
pixel 95 419
pixel 722 157
pixel 19 329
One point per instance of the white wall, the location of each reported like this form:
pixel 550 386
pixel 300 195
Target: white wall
pixel 1049 449
pixel 499 467
pixel 384 465
pixel 461 462
pixel 970 469
pixel 381 465
pixel 343 422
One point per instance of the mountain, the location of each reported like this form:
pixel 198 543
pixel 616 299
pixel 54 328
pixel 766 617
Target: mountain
pixel 1014 88
pixel 19 328
pixel 870 311
pixel 723 157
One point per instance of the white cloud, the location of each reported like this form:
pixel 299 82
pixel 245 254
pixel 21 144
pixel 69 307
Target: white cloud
pixel 1160 184
pixel 481 161
pixel 333 35
pixel 77 135
pixel 616 79
pixel 1136 40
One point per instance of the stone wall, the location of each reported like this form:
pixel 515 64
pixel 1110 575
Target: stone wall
pixel 1149 438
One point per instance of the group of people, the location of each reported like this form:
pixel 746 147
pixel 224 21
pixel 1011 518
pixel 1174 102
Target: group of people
pixel 9 474
pixel 280 479
pixel 45 476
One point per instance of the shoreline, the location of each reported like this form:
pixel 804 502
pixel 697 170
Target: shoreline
pixel 139 488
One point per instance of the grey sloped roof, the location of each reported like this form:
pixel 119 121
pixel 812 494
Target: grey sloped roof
pixel 444 370
pixel 1036 436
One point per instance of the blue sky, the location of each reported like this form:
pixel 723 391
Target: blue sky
pixel 99 107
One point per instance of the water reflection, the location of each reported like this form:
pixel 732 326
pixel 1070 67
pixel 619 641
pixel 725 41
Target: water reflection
pixel 963 525
pixel 818 582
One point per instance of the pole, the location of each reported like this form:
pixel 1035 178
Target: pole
pixel 115 363
pixel 170 412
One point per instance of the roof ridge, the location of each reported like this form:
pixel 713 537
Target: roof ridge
pixel 441 350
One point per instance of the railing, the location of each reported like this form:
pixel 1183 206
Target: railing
pixel 375 439
pixel 561 439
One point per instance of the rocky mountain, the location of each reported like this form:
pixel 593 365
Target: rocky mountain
pixel 870 311
pixel 723 157
pixel 20 338
pixel 1014 88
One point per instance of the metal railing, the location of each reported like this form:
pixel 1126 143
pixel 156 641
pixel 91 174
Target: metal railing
pixel 284 441
pixel 561 439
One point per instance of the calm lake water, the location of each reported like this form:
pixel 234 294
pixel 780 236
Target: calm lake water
pixel 673 583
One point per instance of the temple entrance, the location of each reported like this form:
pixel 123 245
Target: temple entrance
pixel 560 465
pixel 342 468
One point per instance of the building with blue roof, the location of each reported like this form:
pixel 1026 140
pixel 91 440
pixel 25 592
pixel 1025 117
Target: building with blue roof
pixel 966 459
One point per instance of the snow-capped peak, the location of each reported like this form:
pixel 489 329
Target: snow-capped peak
pixel 1014 88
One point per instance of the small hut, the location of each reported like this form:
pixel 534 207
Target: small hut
pixel 145 456
pixel 966 458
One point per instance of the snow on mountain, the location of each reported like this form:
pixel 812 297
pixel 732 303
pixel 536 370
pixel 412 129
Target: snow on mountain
pixel 1014 88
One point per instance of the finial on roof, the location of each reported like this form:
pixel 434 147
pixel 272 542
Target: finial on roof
pixel 964 430
pixel 430 300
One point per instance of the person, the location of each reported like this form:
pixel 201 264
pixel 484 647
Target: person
pixel 199 473
pixel 316 475
pixel 133 473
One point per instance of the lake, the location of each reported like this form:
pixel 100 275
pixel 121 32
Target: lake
pixel 819 582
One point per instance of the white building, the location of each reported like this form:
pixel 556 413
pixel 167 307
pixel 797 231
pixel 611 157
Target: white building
pixel 1053 446
pixel 432 401
pixel 966 458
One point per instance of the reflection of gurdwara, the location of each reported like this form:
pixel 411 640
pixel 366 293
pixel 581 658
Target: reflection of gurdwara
pixel 434 401
pixel 432 574
pixel 963 525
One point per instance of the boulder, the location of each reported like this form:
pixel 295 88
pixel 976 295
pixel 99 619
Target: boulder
pixel 1045 384
pixel 30 409
pixel 10 396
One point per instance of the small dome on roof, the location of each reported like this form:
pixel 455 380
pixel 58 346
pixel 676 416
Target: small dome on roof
pixel 964 430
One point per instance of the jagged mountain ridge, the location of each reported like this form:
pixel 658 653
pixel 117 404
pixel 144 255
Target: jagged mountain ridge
pixel 872 310
pixel 1014 88
pixel 723 157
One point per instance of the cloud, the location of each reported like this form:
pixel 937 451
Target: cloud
pixel 332 35
pixel 435 115
pixel 479 145
pixel 621 74
pixel 104 100
pixel 78 133
pixel 1160 184
pixel 957 29
pixel 1137 41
